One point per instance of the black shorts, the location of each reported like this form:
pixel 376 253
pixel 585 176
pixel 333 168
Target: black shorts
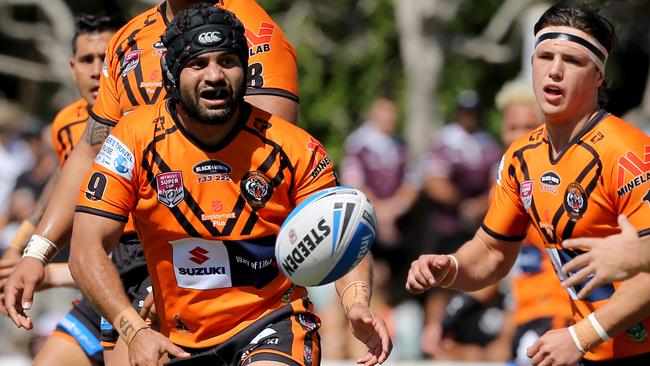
pixel 128 258
pixel 285 335
pixel 81 326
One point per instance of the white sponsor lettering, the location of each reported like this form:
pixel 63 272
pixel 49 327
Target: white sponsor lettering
pixel 201 264
pixel 116 157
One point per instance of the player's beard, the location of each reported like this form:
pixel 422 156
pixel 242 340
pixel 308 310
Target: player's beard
pixel 194 109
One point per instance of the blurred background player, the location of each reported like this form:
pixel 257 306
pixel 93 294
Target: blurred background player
pixel 76 338
pixel 135 53
pixel 539 303
pixel 457 173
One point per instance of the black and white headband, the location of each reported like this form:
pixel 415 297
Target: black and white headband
pixel 579 40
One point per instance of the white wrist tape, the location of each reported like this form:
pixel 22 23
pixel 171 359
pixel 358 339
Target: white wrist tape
pixel 599 328
pixel 449 283
pixel 41 248
pixel 575 339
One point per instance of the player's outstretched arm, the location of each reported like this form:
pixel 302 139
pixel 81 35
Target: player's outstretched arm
pixel 92 239
pixel 480 262
pixel 614 258
pixel 354 289
pixel 53 231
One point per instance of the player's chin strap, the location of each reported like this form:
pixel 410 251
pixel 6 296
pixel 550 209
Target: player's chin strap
pixel 41 248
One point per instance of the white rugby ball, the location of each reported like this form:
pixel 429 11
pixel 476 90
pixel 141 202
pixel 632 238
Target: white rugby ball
pixel 325 236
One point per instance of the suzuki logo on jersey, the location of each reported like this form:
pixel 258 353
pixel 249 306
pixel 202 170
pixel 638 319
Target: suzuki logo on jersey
pixel 116 157
pixel 201 264
pixel 209 38
pixel 199 255
pixel 260 42
pixel 526 194
pixel 633 171
pixel 317 166
pixel 131 60
pixel 170 188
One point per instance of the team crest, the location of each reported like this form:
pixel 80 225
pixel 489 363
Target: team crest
pixel 526 193
pixel 170 188
pixel 131 60
pixel 256 189
pixel 637 333
pixel 575 201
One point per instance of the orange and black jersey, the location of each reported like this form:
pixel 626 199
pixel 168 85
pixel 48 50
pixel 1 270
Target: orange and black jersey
pixel 603 173
pixel 132 75
pixel 207 216
pixel 68 126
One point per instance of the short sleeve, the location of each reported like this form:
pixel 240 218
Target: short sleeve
pixel 631 179
pixel 314 169
pixel 109 189
pixel 506 218
pixel 107 109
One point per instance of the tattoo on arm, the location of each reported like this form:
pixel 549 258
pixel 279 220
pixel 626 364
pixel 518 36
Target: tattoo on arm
pixel 95 132
pixel 126 328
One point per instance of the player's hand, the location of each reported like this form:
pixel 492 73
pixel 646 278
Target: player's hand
pixel 431 340
pixel 19 290
pixel 148 310
pixel 149 346
pixel 427 271
pixel 555 348
pixel 629 260
pixel 10 258
pixel 370 328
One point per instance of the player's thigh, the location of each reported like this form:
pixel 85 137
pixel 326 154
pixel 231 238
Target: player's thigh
pixel 60 351
pixel 118 355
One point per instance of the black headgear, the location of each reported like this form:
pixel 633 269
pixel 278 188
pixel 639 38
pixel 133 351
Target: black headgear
pixel 199 29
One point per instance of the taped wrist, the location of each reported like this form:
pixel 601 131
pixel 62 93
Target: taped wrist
pixel 41 248
pixel 128 323
pixel 356 292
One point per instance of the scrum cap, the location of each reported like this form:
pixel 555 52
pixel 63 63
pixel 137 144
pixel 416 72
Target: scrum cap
pixel 199 29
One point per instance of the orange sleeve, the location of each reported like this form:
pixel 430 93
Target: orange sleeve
pixel 109 189
pixel 272 64
pixel 107 109
pixel 506 218
pixel 314 168
pixel 630 176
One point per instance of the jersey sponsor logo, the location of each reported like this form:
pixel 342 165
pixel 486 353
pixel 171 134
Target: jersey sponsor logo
pixel 159 49
pixel 130 62
pixel 632 171
pixel 209 38
pixel 260 42
pixel 318 165
pixel 256 189
pixel 201 264
pixel 526 193
pixel 575 201
pixel 170 188
pixel 637 333
pixel 307 321
pixel 116 157
pixel 209 167
pixel 306 246
pixel 550 180
pixel 308 353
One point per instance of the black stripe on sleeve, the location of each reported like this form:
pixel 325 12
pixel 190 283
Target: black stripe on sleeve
pixel 101 120
pixel 102 213
pixel 644 232
pixel 496 235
